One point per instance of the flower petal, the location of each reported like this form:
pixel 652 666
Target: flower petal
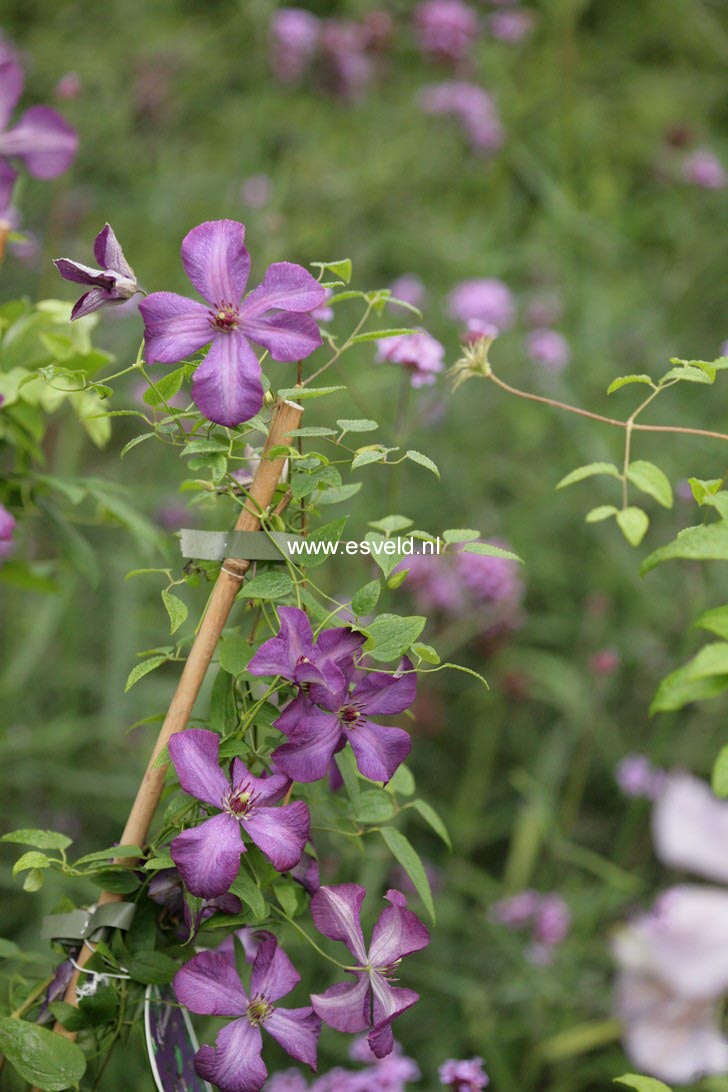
pixel 11 86
pixel 287 335
pixel 267 790
pixel 235 1065
pixel 82 274
pixel 91 301
pixel 310 748
pixel 217 262
pixel 196 757
pixel 398 933
pixel 7 182
pixel 174 327
pixel 285 287
pixel 378 750
pixel 109 255
pixel 281 833
pixel 210 986
pixel 43 140
pixel 346 1006
pixel 389 1002
pixel 294 641
pixel 336 912
pixel 227 387
pixel 208 856
pixel 273 975
pixel 690 827
pixel 294 713
pixel 297 1031
pixel 381 694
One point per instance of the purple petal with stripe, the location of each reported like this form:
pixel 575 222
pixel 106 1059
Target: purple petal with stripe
pixel 43 140
pixel 7 182
pixel 210 986
pixel 91 301
pixel 297 1031
pixel 195 754
pixel 109 255
pixel 346 1006
pixel 336 912
pixel 285 287
pixel 11 87
pixel 208 856
pixel 174 327
pixel 227 386
pixel 380 694
pixel 378 750
pixel 267 790
pixel 281 833
pixel 235 1065
pixel 293 642
pixel 83 274
pixel 398 933
pixel 217 262
pixel 310 748
pixel 287 335
pixel 294 713
pixel 273 975
pixel 389 1002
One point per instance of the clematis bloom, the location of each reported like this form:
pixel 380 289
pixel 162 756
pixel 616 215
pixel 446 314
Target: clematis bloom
pixel 227 385
pixel 209 985
pixel 208 855
pixel 371 1001
pixel 115 282
pixel 41 139
pixel 7 529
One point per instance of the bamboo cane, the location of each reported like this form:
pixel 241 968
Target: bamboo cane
pixel 286 418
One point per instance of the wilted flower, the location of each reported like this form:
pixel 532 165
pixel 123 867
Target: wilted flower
pixel 294 35
pixel 703 168
pixel 208 855
pixel 464 1076
pixel 41 139
pixel 371 1001
pixel 511 26
pixel 549 349
pixel 636 776
pixel 209 985
pixel 113 283
pixel 472 107
pixel 7 528
pixel 445 29
pixel 227 385
pixel 419 353
pixel 484 298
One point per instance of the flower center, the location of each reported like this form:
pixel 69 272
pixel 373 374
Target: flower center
pixel 224 318
pixel 239 803
pixel 349 716
pixel 259 1010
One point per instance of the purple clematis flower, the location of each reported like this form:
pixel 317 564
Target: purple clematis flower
pixel 7 528
pixel 316 732
pixel 227 386
pixel 294 654
pixel 209 985
pixel 41 139
pixel 208 855
pixel 371 1001
pixel 114 282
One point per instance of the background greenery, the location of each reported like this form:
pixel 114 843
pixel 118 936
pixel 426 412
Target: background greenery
pixel 178 108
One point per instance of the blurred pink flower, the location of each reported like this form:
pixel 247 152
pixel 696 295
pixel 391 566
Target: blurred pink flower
pixel 294 35
pixel 68 87
pixel 604 662
pixel 410 289
pixel 703 168
pixel 7 529
pixel 445 29
pixel 256 190
pixel 346 64
pixel 690 827
pixel 485 299
pixel 471 106
pixel 549 349
pixel 511 26
pixel 637 777
pixel 419 353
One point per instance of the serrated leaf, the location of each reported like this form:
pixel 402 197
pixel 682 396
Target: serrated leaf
pixel 431 817
pixel 703 543
pixel 363 458
pixel 176 609
pixel 365 599
pixel 47 1061
pixel 390 525
pixel 633 523
pixel 406 855
pixel 602 511
pixel 588 471
pixel 486 549
pixel 460 534
pixel 110 854
pixel 719 779
pixel 623 380
pixel 423 460
pixel 689 374
pixel 651 480
pixel 39 839
pixel 337 493
pixel 140 670
pixel 272 585
pixel 362 424
pixel 390 635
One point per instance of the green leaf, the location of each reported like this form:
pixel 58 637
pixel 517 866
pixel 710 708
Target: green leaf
pixel 298 393
pixel 487 550
pixel 32 859
pixel 365 599
pixel 340 267
pixel 715 620
pixel 39 839
pixel 588 471
pixel 362 424
pixel 705 676
pixel 290 896
pixel 403 782
pixel 374 805
pixel 602 511
pixel 122 881
pixel 234 653
pixel 690 374
pixel 377 335
pixel 176 609
pixel 328 533
pixel 426 653
pixel 152 968
pixel 642 1084
pixel 346 762
pixel 34 880
pixel 651 480
pixel 338 493
pixel 406 855
pixel 245 887
pixel 140 670
pixel 271 585
pixel 390 525
pixel 390 635
pixel 720 773
pixel 703 543
pixel 423 460
pixel 431 817
pixel 460 534
pixel 48 1061
pixel 623 380
pixel 167 385
pixel 633 523
pixel 111 854
pixel 369 455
